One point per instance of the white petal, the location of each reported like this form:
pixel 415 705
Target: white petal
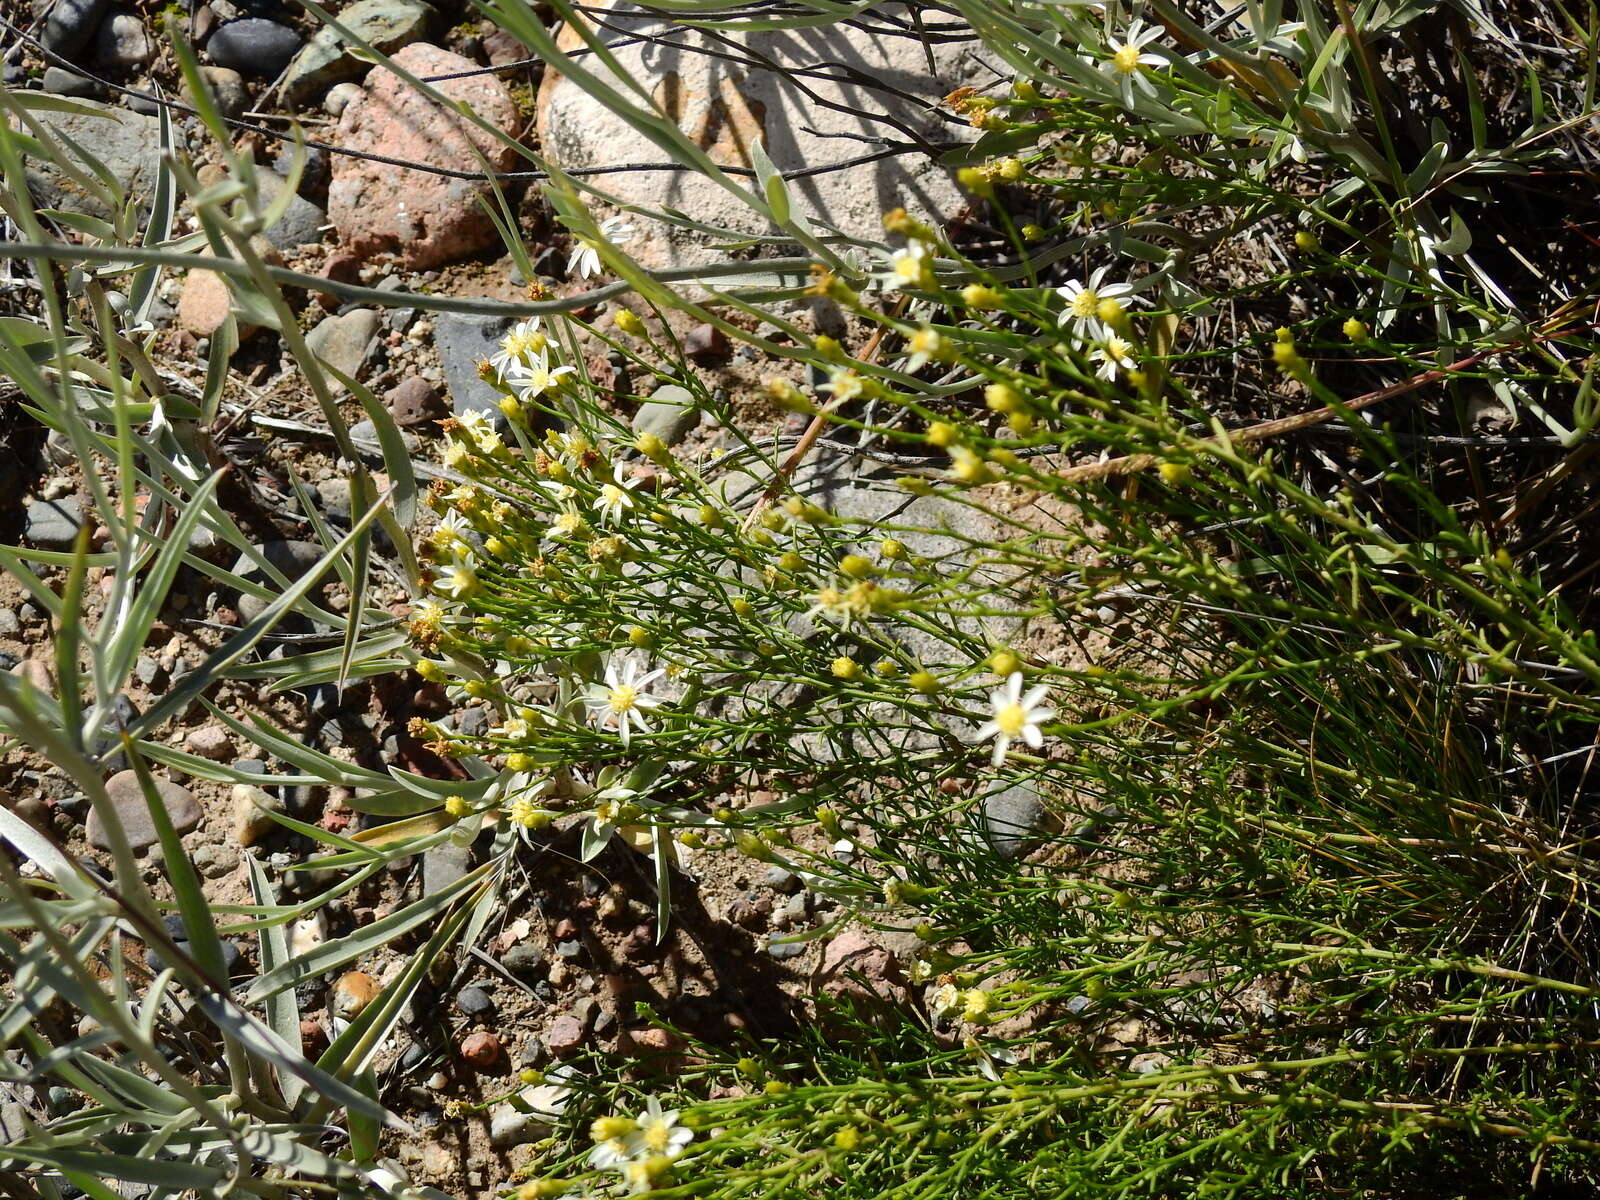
pixel 1031 735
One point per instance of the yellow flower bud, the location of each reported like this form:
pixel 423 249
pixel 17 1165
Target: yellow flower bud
pixel 457 807
pixel 829 348
pixel 791 562
pixel 511 407
pixel 1002 398
pixel 629 323
pixel 1009 169
pixel 742 607
pixel 981 297
pixel 1306 242
pixel 925 681
pixel 892 549
pixel 641 638
pixel 857 566
pixel 431 671
pixel 1004 662
pixel 845 667
pixel 1020 423
pixel 943 434
pixel 1356 330
pixel 1175 474
pixel 519 762
pixel 652 447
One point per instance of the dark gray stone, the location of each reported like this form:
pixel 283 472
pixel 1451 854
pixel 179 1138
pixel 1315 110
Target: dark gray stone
pixel 1014 820
pixel 781 879
pixel 463 341
pixel 53 524
pixel 127 800
pixel 59 81
pixel 443 865
pixel 671 414
pixel 127 144
pixel 474 1001
pixel 293 558
pixel 254 47
pixel 71 24
pixel 524 961
pixel 301 223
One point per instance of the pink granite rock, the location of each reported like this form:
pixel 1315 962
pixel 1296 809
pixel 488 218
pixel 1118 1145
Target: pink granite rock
pixel 429 219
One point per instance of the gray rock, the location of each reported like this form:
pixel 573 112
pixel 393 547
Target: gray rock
pixel 53 524
pixel 781 879
pixel 510 1126
pixel 474 1001
pixel 293 558
pixel 784 950
pixel 122 42
pixel 146 670
pixel 301 223
pixel 9 625
pixel 335 497
pixel 385 25
pixel 443 865
pixel 802 122
pixel 670 414
pixel 524 961
pixel 228 90
pixel 366 431
pixel 126 144
pixel 463 341
pixel 1014 820
pixel 339 97
pixel 570 949
pixel 345 341
pixel 254 46
pixel 71 24
pixel 59 81
pixel 127 799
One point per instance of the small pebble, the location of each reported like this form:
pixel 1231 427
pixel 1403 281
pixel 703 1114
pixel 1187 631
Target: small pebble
pixel 481 1049
pixel 354 991
pixel 474 1001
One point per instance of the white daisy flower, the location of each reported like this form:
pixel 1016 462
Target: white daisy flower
pixel 658 1132
pixel 1083 301
pixel 944 1000
pixel 535 376
pixel 1114 355
pixel 1128 59
pixel 614 498
pixel 521 344
pixel 459 580
pixel 913 267
pixel 621 700
pixel 586 261
pixel 1015 716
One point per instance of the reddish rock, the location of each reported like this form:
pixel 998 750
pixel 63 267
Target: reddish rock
pixel 312 1036
pixel 203 304
pixel 414 402
pixel 566 1035
pixel 429 219
pixel 482 1050
pixel 565 928
pixel 859 970
pixel 341 267
pixel 499 47
pixel 706 345
pixel 210 741
pixel 336 818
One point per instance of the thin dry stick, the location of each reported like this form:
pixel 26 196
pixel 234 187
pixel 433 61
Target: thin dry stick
pixel 814 430
pixel 1134 463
